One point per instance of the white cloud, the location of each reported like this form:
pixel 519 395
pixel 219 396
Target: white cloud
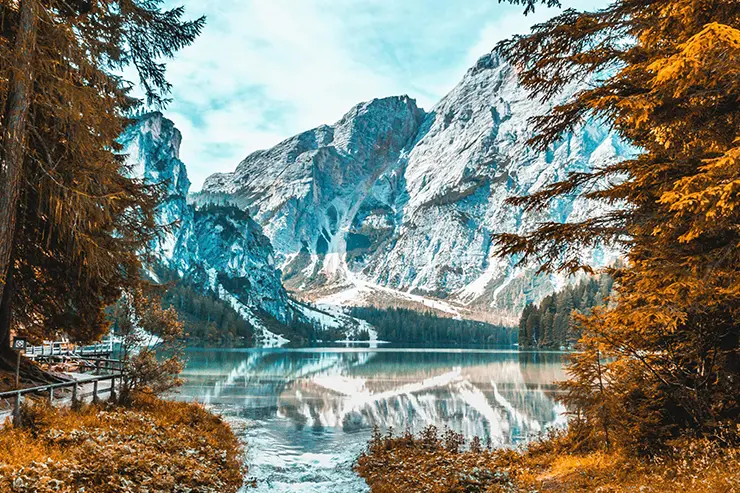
pixel 260 72
pixel 264 70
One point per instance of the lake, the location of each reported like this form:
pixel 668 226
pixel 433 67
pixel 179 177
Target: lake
pixel 307 413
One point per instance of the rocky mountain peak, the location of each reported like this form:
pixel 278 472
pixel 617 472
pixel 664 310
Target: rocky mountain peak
pixel 217 249
pixel 395 203
pixel 306 190
pixel 486 62
pixel 153 144
pixel 152 148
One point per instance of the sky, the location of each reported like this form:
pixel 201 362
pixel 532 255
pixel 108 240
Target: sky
pixel 264 70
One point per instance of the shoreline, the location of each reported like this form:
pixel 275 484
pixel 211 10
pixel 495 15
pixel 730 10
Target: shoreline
pixel 431 462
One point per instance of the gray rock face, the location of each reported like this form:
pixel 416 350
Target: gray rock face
pixel 397 203
pixel 228 253
pixel 152 145
pixel 216 247
pixel 306 190
pixel 450 189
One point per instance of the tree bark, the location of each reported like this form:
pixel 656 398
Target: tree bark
pixel 14 145
pixel 5 313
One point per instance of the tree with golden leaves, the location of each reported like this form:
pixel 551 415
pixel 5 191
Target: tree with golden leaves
pixel 75 225
pixel 667 350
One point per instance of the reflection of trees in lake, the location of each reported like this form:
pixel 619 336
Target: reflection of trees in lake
pixel 499 395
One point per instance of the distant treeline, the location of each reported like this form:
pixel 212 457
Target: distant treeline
pixel 405 325
pixel 299 330
pixel 206 317
pixel 213 321
pixel 548 324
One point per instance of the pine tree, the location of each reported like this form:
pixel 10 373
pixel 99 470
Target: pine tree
pixel 74 224
pixel 666 77
pixel 534 333
pixel 524 335
pixel 17 85
pixel 548 324
pixel 553 316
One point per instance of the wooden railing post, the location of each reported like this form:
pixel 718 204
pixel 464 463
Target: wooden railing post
pixel 113 389
pixel 17 409
pixel 117 374
pixel 74 394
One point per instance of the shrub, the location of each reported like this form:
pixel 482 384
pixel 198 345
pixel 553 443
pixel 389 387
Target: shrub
pixel 151 445
pixel 150 344
pixel 430 463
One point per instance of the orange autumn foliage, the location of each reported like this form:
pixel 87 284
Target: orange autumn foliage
pixel 428 464
pixel 663 359
pixel 152 445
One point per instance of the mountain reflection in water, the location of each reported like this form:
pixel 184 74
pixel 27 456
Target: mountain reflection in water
pixel 307 413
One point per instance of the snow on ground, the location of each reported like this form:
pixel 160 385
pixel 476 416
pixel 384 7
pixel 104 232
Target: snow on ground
pixel 361 290
pixel 324 319
pixel 334 316
pixel 264 337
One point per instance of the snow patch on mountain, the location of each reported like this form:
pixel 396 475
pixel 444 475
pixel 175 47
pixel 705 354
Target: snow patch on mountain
pixel 394 203
pixel 218 247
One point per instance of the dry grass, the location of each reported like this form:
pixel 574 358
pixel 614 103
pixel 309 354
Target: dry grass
pixel 153 446
pixel 432 464
pixel 428 464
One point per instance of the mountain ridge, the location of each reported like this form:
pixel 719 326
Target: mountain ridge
pixel 216 247
pixel 393 202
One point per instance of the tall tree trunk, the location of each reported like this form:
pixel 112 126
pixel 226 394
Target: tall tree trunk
pixel 5 313
pixel 14 146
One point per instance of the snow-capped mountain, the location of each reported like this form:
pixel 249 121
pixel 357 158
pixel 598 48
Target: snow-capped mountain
pixel 215 247
pixel 152 148
pixel 306 191
pixel 392 204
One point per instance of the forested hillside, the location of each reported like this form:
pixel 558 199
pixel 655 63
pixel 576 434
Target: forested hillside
pixel 549 324
pixel 411 326
pixel 208 320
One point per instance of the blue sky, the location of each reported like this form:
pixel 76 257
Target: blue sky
pixel 264 70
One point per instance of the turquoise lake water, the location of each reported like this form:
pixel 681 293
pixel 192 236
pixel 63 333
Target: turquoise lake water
pixel 307 413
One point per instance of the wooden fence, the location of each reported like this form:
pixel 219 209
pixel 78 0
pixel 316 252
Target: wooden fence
pixel 49 390
pixel 65 348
